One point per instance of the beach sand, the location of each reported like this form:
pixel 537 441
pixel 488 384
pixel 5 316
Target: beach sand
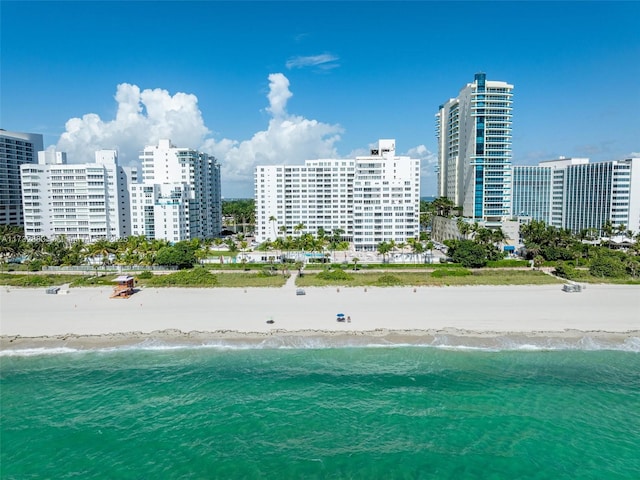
pixel 87 317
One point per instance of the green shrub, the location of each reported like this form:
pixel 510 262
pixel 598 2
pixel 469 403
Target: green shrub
pixel 508 263
pixel 197 277
pixel 389 280
pixel 450 272
pixel 102 280
pixel 338 274
pixel 35 265
pixel 607 266
pixel 146 274
pixel 564 270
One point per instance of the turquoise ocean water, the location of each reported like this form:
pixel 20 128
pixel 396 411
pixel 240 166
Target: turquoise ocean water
pixel 349 412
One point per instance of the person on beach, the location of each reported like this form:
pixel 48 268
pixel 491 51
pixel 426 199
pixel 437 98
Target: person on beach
pixel 348 319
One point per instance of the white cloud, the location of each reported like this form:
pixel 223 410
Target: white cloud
pixel 428 158
pixel 142 118
pixel 288 139
pixel 279 94
pixel 428 162
pixel 326 61
pixel 145 116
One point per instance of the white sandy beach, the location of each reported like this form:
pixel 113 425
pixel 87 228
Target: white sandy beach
pixel 221 312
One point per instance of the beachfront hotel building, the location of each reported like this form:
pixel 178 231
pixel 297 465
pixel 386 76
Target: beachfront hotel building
pixel 474 149
pixel 87 202
pixel 16 149
pixel 179 197
pixel 573 194
pixel 537 191
pixel 369 199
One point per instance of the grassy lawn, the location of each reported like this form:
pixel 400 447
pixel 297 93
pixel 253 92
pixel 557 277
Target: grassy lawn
pixel 232 280
pixel 51 279
pixel 185 278
pixel 584 276
pixel 205 277
pixel 450 277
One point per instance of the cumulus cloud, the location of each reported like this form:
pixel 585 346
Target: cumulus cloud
pixel 279 94
pixel 288 139
pixel 428 163
pixel 142 118
pixel 326 61
pixel 145 116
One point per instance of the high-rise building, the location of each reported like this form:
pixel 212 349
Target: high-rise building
pixel 537 191
pixel 474 149
pixel 318 194
pixel 15 149
pixel 179 197
pixel 369 199
pixel 597 193
pixel 574 194
pixel 87 202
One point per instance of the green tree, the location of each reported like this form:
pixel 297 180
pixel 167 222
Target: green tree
pixel 102 248
pixel 181 255
pixel 443 206
pixel 383 249
pixel 607 266
pixel 468 253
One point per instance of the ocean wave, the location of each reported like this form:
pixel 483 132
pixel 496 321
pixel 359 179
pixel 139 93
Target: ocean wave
pixel 521 343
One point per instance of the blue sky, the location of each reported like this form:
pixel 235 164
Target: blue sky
pixel 280 82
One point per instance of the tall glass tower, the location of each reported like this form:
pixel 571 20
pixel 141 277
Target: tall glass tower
pixel 474 148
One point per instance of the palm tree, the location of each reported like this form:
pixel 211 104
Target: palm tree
pixel 273 221
pixel 463 227
pixel 77 253
pixel 443 206
pixel 355 261
pixel 299 228
pixel 383 249
pixel 497 237
pixel 12 244
pixel 102 248
pixel 607 230
pixel 416 248
pixel 483 236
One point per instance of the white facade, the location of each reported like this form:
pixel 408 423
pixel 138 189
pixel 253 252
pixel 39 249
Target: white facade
pixel 386 197
pixel 581 195
pixel 537 191
pixel 85 202
pixel 15 149
pixel 179 197
pixel 474 148
pixel 369 199
pixel 318 194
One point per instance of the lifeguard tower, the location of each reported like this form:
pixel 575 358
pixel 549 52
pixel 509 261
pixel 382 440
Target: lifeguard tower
pixel 124 288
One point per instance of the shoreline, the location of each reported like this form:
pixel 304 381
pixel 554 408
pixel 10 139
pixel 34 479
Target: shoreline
pixel 449 338
pixel 465 315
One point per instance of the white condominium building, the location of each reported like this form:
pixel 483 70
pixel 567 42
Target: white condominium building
pixel 318 194
pixel 574 194
pixel 537 191
pixel 85 202
pixel 474 148
pixel 15 149
pixel 179 197
pixel 595 193
pixel 369 199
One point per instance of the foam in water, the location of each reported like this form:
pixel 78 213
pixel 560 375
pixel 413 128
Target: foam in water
pixel 447 342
